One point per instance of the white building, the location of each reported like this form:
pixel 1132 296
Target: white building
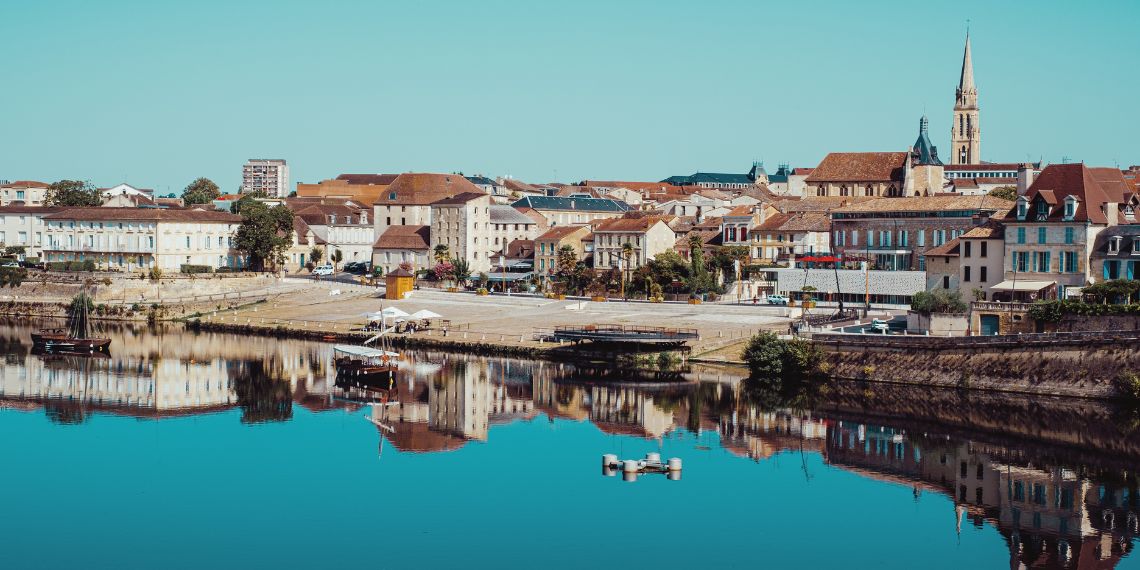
pixel 508 225
pixel 30 192
pixel 125 189
pixel 649 236
pixel 24 226
pixel 343 227
pixel 128 239
pixel 269 176
pixel 462 223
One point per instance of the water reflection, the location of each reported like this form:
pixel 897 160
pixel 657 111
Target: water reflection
pixel 1056 478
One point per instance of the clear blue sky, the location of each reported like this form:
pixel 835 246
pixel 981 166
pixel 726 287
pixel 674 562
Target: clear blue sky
pixel 157 93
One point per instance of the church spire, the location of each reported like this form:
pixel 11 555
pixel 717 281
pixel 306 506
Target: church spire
pixel 965 134
pixel 966 88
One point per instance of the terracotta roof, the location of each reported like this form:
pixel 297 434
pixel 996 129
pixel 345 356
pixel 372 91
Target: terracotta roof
pixel 20 208
pixel 948 249
pixel 807 222
pixel 984 167
pixel 558 233
pixel 657 187
pixel 318 214
pixel 421 189
pixel 400 272
pixel 374 179
pixel 773 223
pixel 458 199
pixel 740 211
pixel 926 203
pixel 992 229
pixel 860 167
pixel 25 184
pixel 802 171
pixel 1059 181
pixel 964 183
pixel 149 214
pixel 1113 182
pixel 819 203
pixel 517 185
pixel 517 249
pixel 404 237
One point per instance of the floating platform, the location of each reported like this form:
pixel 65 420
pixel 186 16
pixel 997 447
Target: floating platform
pixel 631 468
pixel 625 334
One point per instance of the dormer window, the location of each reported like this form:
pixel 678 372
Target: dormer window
pixel 1114 245
pixel 1042 210
pixel 391 195
pixel 1022 208
pixel 1070 208
pixel 1130 213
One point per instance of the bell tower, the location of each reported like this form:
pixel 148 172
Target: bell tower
pixel 965 131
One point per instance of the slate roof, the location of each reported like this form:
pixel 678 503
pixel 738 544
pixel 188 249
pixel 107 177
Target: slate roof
pixel 480 180
pixel 571 204
pixel 1126 233
pixel 404 237
pixel 708 178
pixel 860 167
pixel 501 214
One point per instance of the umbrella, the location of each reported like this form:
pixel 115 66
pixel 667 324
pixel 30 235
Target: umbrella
pixel 425 314
pixel 392 312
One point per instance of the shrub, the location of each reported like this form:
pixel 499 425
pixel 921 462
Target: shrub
pixel 765 355
pixel 192 269
pixel 938 301
pixel 155 273
pixel 1127 386
pixel 85 265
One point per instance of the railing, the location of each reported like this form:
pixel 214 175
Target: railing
pixel 1000 306
pixel 859 340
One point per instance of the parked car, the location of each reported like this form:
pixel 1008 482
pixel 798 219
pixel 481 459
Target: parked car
pixel 350 267
pixel 776 300
pixel 323 270
pixel 357 267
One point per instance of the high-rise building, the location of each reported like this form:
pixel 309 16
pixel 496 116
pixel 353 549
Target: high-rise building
pixel 266 175
pixel 965 131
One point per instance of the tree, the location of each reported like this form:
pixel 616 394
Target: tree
pixel 74 193
pixel 698 273
pixel 15 251
pixel 337 257
pixel 460 271
pixel 626 255
pixel 200 191
pixel 1005 192
pixel 725 259
pixel 264 234
pixel 938 301
pixel 316 255
pixel 443 271
pixel 442 253
pixel 567 268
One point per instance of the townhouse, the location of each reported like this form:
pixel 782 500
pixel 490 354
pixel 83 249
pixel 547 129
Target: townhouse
pixel 648 237
pixel 344 227
pixel 561 211
pixel 408 199
pixel 402 244
pixel 462 224
pixel 24 226
pixel 29 192
pixel 552 241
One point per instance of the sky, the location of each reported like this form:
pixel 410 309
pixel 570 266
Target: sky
pixel 158 93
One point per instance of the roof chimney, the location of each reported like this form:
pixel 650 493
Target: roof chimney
pixel 1024 178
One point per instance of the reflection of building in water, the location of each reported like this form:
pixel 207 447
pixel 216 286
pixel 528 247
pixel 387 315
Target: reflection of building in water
pixel 1049 515
pixel 557 400
pixel 628 411
pixel 760 434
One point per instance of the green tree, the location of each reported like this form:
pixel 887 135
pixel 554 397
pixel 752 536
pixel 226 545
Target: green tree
pixel 442 253
pixel 938 301
pixel 200 191
pixel 316 255
pixel 12 276
pixel 460 271
pixel 337 257
pixel 1005 192
pixel 699 280
pixel 725 259
pixel 73 193
pixel 264 234
pixel 15 250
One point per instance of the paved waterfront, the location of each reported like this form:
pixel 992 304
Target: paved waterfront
pixel 500 318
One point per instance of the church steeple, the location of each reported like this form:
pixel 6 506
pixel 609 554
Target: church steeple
pixel 965 131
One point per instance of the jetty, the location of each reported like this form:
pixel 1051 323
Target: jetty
pixel 626 334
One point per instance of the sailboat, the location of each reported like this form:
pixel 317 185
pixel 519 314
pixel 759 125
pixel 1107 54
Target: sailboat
pixel 364 364
pixel 76 338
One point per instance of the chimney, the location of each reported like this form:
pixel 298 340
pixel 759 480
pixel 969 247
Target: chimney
pixel 1024 178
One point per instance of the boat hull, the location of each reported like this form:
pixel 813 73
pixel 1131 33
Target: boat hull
pixel 62 342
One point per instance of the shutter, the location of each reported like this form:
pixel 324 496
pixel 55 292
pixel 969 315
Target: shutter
pixel 1106 269
pixel 1131 265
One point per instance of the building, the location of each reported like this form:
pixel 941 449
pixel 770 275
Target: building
pixel 363 188
pixel 408 199
pixel 402 244
pixel 649 236
pixel 461 223
pixel 895 233
pixel 547 246
pixel 1050 238
pixel 344 227
pixel 561 211
pixel 722 181
pixel 981 260
pixel 859 174
pixel 268 176
pixel 508 225
pixel 784 236
pixel 24 226
pixel 788 181
pixel 965 130
pixel 942 266
pixel 126 189
pixel 30 192
pixel 128 239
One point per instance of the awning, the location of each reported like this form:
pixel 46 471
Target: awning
pixel 508 276
pixel 362 351
pixel 1021 285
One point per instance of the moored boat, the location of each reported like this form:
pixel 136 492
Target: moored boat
pixel 77 337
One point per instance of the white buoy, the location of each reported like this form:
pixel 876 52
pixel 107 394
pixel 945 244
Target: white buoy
pixel 674 463
pixel 673 475
pixel 630 466
pixel 609 459
pixel 652 457
pixel 629 476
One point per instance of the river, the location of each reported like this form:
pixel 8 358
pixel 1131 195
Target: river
pixel 195 450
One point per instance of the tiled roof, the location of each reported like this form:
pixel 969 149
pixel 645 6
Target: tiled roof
pixel 652 187
pixel 501 214
pixel 819 203
pixel 992 229
pixel 860 167
pixel 709 237
pixel 626 224
pixel 740 211
pixel 25 184
pixel 518 185
pixel 365 179
pixel 1113 182
pixel 20 208
pixel 948 249
pixel 558 233
pixel 986 167
pixel 404 237
pixel 1059 181
pixel 517 249
pixel 571 204
pixel 802 171
pixel 421 189
pixel 147 214
pixel 458 199
pixel 807 222
pixel 926 204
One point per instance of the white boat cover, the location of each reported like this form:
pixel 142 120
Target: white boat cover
pixel 363 351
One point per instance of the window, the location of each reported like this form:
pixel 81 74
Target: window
pixel 1114 245
pixel 904 238
pixel 1070 208
pixel 921 238
pixel 1069 260
pixel 1022 206
pixel 966 249
pixel 1041 235
pixel 1069 236
pixel 1020 235
pixel 1042 262
pixel 388 221
pixel 391 196
pixel 870 238
pixel 945 281
pixel 854 238
pixel 982 274
pixel 966 274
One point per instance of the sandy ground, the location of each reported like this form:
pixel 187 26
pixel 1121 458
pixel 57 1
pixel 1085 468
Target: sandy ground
pixel 515 319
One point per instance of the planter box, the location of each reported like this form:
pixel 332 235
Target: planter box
pixel 561 297
pixel 694 301
pixel 453 289
pixel 598 299
pixel 656 300
pixel 481 293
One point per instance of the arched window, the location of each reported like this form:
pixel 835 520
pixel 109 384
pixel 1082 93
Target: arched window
pixel 870 191
pixel 969 125
pixel 843 190
pixel 820 191
pixel 961 125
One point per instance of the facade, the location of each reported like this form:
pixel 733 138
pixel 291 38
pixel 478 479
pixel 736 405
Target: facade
pixel 508 225
pixel 965 130
pixel 402 244
pixel 24 226
pixel 1116 253
pixel 649 236
pixel 737 223
pixel 407 200
pixel 1051 235
pixel 859 174
pixel 30 192
pixel 125 189
pixel 462 223
pixel 561 211
pixel 783 236
pixel 788 181
pixel 343 227
pixel 363 188
pixel 895 233
pixel 268 176
pixel 547 246
pixel 982 260
pixel 942 266
pixel 128 239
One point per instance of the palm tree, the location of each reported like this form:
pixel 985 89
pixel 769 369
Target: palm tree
pixel 461 271
pixel 337 256
pixel 626 255
pixel 442 253
pixel 316 255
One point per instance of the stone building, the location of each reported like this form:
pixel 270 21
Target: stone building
pixel 965 130
pixel 407 200
pixel 982 259
pixel 942 266
pixel 859 174
pixel 402 244
pixel 649 236
pixel 551 241
pixel 24 226
pixel 462 223
pixel 783 236
pixel 895 233
pixel 344 227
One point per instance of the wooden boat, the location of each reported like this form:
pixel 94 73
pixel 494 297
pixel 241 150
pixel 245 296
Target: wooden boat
pixel 76 338
pixel 364 364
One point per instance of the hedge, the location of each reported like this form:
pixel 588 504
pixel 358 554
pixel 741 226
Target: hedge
pixel 1054 311
pixel 85 265
pixel 187 268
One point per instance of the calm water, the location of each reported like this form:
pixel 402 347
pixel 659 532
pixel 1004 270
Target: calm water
pixel 187 450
